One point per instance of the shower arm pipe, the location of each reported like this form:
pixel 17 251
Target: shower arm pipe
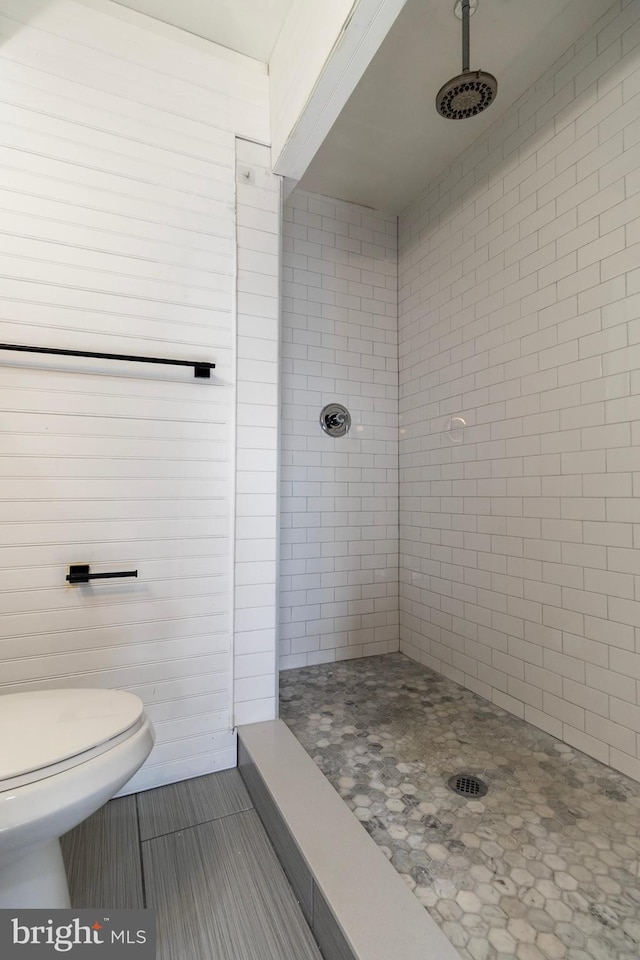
pixel 201 369
pixel 465 36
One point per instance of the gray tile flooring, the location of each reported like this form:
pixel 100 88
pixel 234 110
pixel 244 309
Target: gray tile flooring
pixel 197 853
pixel 546 866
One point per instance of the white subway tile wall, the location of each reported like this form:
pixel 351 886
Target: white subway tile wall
pixel 519 312
pixel 339 496
pixel 258 314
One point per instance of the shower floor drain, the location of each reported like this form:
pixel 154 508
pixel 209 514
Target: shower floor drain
pixel 466 785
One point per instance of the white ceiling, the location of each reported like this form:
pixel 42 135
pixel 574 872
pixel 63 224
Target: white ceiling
pixel 388 142
pixel 248 26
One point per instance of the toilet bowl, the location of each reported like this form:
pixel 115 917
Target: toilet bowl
pixel 63 754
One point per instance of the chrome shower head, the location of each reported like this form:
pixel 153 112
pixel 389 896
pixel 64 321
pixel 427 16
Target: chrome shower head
pixel 472 91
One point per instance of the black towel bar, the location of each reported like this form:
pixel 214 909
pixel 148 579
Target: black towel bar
pixel 200 368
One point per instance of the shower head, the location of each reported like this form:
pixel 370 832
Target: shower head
pixel 472 91
pixel 466 95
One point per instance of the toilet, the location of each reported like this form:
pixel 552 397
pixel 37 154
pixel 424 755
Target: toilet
pixel 63 754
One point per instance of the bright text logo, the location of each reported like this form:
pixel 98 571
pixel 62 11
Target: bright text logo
pixel 34 934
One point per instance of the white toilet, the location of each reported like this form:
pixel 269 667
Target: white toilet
pixel 63 754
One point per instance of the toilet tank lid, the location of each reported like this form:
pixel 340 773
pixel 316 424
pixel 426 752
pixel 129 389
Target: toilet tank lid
pixel 43 727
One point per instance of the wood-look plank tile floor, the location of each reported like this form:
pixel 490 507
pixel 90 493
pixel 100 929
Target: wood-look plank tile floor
pixel 197 854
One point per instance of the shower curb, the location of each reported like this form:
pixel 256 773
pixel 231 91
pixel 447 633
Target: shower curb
pixel 355 902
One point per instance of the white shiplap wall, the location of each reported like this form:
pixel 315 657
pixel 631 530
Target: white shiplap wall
pixel 118 233
pixel 519 306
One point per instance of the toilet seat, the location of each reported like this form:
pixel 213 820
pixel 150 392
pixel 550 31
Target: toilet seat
pixel 65 753
pixel 60 729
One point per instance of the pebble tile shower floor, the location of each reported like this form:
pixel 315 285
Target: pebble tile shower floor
pixel 546 866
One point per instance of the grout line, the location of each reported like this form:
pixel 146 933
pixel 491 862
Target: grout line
pixel 200 823
pixel 140 858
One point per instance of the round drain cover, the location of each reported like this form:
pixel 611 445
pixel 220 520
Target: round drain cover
pixel 466 785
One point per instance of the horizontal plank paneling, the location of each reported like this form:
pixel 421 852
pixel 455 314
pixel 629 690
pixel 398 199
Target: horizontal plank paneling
pixel 118 552
pixel 105 246
pixel 70 40
pixel 46 152
pixel 129 677
pixel 105 112
pixel 32 600
pixel 150 631
pixel 172 747
pixel 127 655
pixel 116 613
pixel 43 578
pixel 24 128
pixel 137 448
pixel 117 234
pixel 197 705
pixel 82 424
pixel 74 255
pixel 102 467
pixel 32 204
pixel 40 511
pixel 116 393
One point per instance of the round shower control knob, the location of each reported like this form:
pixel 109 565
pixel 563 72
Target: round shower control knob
pixel 335 419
